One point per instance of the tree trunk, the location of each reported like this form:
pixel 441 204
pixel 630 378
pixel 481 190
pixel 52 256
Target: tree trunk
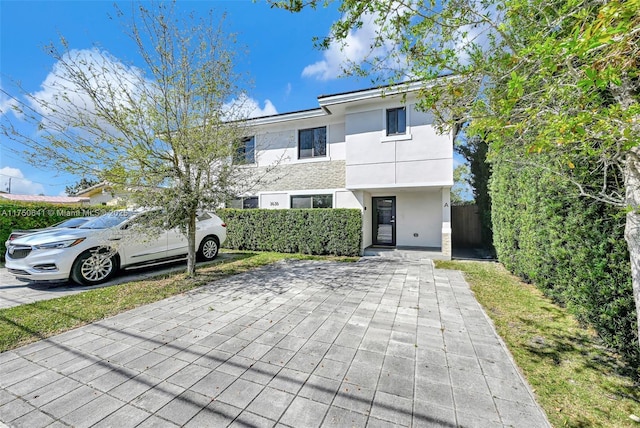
pixel 626 94
pixel 632 226
pixel 191 242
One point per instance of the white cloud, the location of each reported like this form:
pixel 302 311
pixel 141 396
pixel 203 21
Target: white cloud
pixel 355 49
pixel 7 103
pixel 118 84
pixel 62 101
pixel 287 90
pixel 245 107
pixel 19 184
pixel 469 38
pixel 268 109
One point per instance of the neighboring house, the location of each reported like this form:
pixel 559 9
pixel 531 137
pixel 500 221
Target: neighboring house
pixel 46 199
pixel 100 194
pixel 369 149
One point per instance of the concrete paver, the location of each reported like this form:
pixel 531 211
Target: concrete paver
pixel 14 292
pixel 387 341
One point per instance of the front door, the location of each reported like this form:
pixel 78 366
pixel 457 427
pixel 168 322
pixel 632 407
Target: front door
pixel 384 221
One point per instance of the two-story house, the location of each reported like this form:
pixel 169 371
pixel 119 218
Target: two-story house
pixel 369 149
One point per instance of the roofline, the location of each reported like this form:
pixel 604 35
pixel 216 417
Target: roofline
pixel 343 97
pixel 371 93
pixel 285 117
pixel 408 86
pixel 90 188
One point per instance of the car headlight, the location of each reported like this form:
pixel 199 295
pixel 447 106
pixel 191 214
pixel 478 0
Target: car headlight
pixel 59 244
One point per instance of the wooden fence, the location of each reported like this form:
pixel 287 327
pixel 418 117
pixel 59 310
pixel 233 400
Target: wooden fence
pixel 465 226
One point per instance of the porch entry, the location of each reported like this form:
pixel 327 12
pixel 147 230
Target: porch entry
pixel 384 221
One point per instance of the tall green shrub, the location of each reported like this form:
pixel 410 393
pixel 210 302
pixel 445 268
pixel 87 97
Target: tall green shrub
pixel 572 248
pixel 309 231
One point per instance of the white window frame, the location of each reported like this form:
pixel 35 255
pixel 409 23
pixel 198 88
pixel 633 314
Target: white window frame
pixel 311 194
pixel 396 137
pixel 326 144
pixel 255 157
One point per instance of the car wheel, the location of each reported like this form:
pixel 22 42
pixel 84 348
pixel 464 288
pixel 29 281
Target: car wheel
pixel 94 267
pixel 208 248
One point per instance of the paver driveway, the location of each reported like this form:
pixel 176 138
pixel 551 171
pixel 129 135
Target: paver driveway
pixel 381 342
pixel 14 292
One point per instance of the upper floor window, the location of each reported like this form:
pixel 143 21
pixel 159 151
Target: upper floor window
pixel 312 201
pixel 245 151
pixel 396 121
pixel 312 142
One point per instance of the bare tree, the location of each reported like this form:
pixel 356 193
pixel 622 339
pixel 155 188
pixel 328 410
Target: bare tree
pixel 166 132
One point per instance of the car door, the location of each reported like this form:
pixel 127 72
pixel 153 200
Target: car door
pixel 176 243
pixel 140 242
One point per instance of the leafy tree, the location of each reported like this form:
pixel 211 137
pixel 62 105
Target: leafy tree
pixel 83 183
pixel 554 77
pixel 164 133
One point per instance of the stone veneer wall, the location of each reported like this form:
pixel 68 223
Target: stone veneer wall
pixel 304 176
pixel 446 245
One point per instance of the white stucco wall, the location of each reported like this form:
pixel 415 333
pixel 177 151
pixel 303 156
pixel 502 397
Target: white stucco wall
pixel 275 200
pixel 367 221
pixel 348 199
pixel 421 157
pixel 101 198
pixel 107 198
pixel 419 213
pixel 276 146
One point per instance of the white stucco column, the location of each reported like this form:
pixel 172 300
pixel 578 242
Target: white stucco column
pixel 446 223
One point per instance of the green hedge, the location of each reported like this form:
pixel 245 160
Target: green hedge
pixel 570 247
pixel 309 231
pixel 17 215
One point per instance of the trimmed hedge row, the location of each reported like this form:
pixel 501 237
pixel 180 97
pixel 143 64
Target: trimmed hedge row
pixel 18 215
pixel 572 248
pixel 309 231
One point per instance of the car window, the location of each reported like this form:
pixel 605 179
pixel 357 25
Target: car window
pixel 108 220
pixel 72 222
pixel 203 216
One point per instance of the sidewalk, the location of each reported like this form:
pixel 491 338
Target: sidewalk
pixel 382 342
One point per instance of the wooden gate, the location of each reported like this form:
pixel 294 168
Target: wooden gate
pixel 465 226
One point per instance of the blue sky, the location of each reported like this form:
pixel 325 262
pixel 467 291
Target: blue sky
pixel 287 72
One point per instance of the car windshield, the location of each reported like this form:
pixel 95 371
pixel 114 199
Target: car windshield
pixel 108 220
pixel 72 222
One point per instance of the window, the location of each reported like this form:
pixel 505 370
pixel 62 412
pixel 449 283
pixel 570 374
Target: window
pixel 249 203
pixel 245 151
pixel 396 121
pixel 244 203
pixel 312 201
pixel 312 142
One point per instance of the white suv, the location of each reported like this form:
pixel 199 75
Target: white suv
pixel 95 251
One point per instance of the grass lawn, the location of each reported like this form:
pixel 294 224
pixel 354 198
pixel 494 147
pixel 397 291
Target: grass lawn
pixel 35 321
pixel 576 380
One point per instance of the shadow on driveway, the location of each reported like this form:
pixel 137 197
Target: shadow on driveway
pixel 14 292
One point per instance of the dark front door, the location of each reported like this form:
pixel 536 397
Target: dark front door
pixel 384 221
